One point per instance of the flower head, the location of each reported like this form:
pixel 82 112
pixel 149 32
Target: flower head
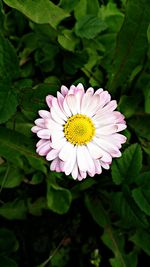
pixel 79 133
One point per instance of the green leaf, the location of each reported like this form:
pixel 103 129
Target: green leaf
pixel 8 241
pixel 8 101
pixel 129 213
pixel 9 67
pixel 147 98
pixel 142 240
pixel 127 168
pixel 58 198
pixel 128 105
pixel 131 44
pixel 141 200
pixel 14 210
pixel 39 11
pixel 115 242
pixel 7 262
pixel 85 7
pixel 68 5
pixel 67 40
pixel 37 95
pixel 112 16
pixel 97 211
pixel 141 124
pixel 89 26
pixel 13 146
pixel 10 177
pixel 35 208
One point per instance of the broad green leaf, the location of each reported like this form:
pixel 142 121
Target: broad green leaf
pixel 13 146
pixel 141 124
pixel 8 101
pixel 129 213
pixel 147 98
pixel 10 177
pixel 9 71
pixel 130 261
pixel 8 241
pixel 58 198
pixel 97 211
pixel 142 240
pixel 35 208
pixel 14 210
pixel 67 40
pixel 141 200
pixel 68 5
pixel 39 11
pixel 144 179
pixel 89 26
pixel 7 262
pixel 131 44
pixel 9 67
pixel 127 168
pixel 86 7
pixel 115 242
pixel 112 16
pixel 128 105
pixel 37 95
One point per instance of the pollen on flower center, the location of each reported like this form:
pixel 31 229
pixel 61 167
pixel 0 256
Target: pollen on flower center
pixel 79 129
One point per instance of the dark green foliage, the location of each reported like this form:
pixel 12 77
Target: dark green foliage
pixel 46 218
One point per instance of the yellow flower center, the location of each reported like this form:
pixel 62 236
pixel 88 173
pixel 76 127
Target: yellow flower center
pixel 79 129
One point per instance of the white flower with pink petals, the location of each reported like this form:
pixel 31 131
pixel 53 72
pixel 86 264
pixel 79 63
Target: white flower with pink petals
pixel 79 133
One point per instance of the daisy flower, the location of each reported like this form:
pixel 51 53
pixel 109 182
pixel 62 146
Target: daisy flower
pixel 79 133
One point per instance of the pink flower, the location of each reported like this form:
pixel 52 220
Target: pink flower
pixel 79 133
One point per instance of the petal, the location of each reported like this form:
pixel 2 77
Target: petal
pixel 49 100
pixel 56 117
pixel 86 101
pixel 106 130
pixel 69 164
pixel 94 105
pixel 57 109
pixel 64 90
pixel 40 123
pixel 94 150
pixel 98 168
pixel 44 114
pixel 53 125
pixel 52 154
pixel 66 108
pixel 75 171
pixel 43 149
pixel 71 101
pixel 58 143
pixel 44 134
pixel 121 127
pixel 66 151
pixel 41 142
pixel 99 91
pixel 35 129
pixel 84 159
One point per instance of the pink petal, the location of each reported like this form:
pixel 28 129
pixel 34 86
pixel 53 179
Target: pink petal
pixel 44 114
pixel 44 134
pixel 49 100
pixel 40 123
pixel 52 154
pixel 64 90
pixel 35 129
